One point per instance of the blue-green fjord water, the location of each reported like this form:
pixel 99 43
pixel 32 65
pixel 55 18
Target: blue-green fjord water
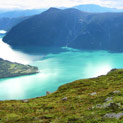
pixel 55 70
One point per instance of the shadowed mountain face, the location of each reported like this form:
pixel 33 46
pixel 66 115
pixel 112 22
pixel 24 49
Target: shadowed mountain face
pixel 103 32
pixel 70 27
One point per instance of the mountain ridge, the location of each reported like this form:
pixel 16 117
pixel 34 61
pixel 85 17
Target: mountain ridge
pixel 20 13
pixel 96 8
pixel 8 23
pixel 70 27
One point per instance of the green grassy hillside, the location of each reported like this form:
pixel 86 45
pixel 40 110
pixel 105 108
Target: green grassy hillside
pixel 96 100
pixel 9 69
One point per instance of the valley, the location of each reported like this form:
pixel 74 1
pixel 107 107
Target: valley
pixel 61 65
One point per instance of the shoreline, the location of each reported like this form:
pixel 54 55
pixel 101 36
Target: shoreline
pixel 10 77
pixel 33 98
pixel 90 100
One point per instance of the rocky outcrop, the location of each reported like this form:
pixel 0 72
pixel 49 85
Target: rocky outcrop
pixel 114 115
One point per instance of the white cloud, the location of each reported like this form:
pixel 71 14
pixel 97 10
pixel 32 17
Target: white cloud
pixel 29 4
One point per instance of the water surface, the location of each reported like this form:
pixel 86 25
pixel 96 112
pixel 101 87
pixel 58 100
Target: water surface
pixel 55 70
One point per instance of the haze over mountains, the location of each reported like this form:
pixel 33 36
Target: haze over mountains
pixel 96 8
pixel 20 13
pixel 7 23
pixel 70 27
pixel 9 18
pixel 30 12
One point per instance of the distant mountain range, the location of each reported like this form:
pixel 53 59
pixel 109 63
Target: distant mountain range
pixel 96 8
pixel 9 18
pixel 8 23
pixel 70 27
pixel 30 12
pixel 20 13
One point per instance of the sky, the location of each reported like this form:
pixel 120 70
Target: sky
pixel 31 4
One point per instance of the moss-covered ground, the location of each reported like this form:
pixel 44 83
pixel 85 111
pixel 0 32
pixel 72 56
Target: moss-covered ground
pixel 87 101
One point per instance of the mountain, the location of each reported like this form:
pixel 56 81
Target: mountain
pixel 20 13
pixel 69 27
pixel 102 32
pixel 8 23
pixel 9 18
pixel 95 100
pixel 10 69
pixel 48 23
pixel 4 10
pixel 96 8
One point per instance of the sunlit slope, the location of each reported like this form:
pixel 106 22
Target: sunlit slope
pixel 9 69
pixel 83 101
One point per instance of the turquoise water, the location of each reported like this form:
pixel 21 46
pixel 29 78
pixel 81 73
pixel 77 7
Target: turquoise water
pixel 55 70
pixel 58 69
